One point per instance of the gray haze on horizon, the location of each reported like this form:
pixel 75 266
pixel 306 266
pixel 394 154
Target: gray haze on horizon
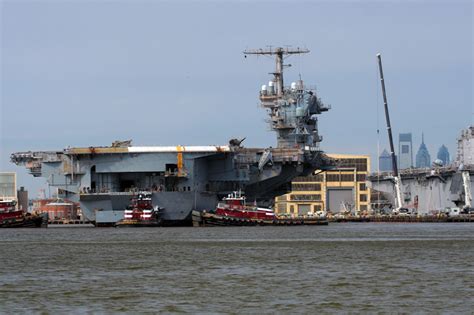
pixel 163 73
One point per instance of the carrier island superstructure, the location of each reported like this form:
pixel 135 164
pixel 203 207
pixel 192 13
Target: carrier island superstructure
pixel 186 178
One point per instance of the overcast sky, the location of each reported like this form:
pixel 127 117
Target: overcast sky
pixel 83 73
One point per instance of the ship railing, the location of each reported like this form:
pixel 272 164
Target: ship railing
pixel 51 158
pixel 268 99
pixel 242 159
pixel 176 174
pixel 306 87
pixel 36 172
pixel 103 193
pixel 107 191
pixel 287 158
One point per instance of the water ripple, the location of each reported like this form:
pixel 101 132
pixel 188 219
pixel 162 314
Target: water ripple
pixel 341 268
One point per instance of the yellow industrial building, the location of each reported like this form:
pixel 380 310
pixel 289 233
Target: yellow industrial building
pixel 342 189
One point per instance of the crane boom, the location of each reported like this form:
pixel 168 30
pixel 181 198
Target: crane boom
pixel 396 175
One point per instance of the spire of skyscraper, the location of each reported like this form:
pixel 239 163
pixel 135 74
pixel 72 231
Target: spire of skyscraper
pixel 423 158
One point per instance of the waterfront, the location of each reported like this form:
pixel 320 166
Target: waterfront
pixel 348 267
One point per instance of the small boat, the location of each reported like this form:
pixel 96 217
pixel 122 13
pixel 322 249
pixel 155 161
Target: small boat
pixel 140 212
pixel 11 217
pixel 234 205
pixel 233 210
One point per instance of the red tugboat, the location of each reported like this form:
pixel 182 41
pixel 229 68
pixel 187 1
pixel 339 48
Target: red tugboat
pixel 233 210
pixel 140 213
pixel 11 217
pixel 234 206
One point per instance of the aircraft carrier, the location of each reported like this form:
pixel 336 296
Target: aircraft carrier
pixel 186 178
pixel 431 190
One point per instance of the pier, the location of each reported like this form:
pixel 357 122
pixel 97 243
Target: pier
pixel 404 219
pixel 212 219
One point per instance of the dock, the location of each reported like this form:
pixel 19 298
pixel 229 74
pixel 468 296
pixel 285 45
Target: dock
pixel 404 219
pixel 212 219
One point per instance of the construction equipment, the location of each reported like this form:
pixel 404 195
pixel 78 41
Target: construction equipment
pixel 396 176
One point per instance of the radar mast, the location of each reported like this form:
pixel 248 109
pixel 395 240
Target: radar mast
pixel 279 52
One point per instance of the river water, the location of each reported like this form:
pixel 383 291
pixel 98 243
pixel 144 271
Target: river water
pixel 362 268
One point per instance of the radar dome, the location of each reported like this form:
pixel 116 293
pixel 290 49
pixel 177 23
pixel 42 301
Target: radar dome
pixel 438 162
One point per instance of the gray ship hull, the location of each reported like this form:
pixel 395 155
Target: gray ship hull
pixel 182 179
pixel 106 209
pixel 425 190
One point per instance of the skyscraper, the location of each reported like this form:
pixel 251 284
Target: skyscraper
pixel 405 151
pixel 423 158
pixel 443 155
pixel 385 161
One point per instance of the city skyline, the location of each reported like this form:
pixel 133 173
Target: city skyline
pixel 442 153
